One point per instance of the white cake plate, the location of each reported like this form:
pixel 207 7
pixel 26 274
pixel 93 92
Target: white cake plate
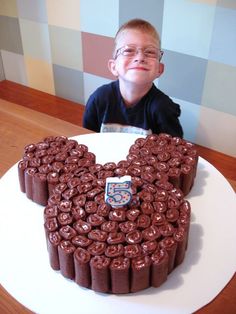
pixel 209 264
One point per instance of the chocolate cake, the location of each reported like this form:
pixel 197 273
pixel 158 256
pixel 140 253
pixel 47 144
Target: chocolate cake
pixel 112 249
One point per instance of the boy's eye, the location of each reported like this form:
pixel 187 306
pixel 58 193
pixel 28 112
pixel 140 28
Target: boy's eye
pixel 150 52
pixel 129 51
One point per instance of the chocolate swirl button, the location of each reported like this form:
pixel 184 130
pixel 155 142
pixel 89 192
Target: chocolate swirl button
pixel 65 206
pixel 134 237
pixel 132 214
pixel 91 207
pixel 82 227
pixel 116 238
pixel 172 215
pixel 117 214
pixel 69 193
pixel 120 172
pixel 148 176
pixel 148 247
pixel 141 262
pixel 74 182
pixel 120 263
pixel 173 202
pixel 95 168
pixel 146 196
pixel 109 226
pixel 45 168
pixel 165 185
pixel 97 248
pixel 151 233
pixel 97 235
pixel 186 207
pixel 149 187
pixel 79 200
pixel 147 208
pixel 91 194
pixel 139 162
pixel 78 212
pixel 134 170
pixel 177 192
pixel 95 219
pixel 166 229
pixel 162 166
pixel 159 206
pixel 161 195
pixel 163 156
pixel 84 187
pixel 143 221
pixel 67 232
pixel 80 240
pixel 114 250
pixel 109 166
pixel 136 181
pixel 127 226
pixel 158 219
pixel 35 162
pixel 54 199
pixel 64 218
pixel 29 148
pixel 132 250
pixel 174 162
pixel 50 211
pixel 103 210
pixel 51 224
pixel 57 166
pixel 82 256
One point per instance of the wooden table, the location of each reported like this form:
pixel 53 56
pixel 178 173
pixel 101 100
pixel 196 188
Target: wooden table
pixel 20 126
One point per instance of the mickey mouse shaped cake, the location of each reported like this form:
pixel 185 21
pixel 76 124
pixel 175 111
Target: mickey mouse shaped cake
pixel 114 227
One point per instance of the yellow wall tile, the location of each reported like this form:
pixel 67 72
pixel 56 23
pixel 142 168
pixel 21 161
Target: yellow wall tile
pixel 64 13
pixel 40 75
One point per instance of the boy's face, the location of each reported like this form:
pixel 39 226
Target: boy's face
pixel 139 68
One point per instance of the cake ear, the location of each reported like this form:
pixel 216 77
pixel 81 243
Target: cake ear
pixel 112 67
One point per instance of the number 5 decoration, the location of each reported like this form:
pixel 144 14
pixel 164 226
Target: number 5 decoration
pixel 118 191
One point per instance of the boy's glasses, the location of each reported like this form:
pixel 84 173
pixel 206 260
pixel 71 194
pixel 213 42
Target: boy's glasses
pixel 131 51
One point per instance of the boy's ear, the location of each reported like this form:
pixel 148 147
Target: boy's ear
pixel 112 67
pixel 161 69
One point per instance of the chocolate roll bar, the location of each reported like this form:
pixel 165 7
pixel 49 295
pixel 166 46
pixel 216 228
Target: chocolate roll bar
pixel 54 240
pixel 66 259
pixel 140 273
pixel 40 188
pixel 100 275
pixel 159 271
pixel 82 267
pixel 120 280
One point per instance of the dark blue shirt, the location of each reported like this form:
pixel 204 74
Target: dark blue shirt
pixel 155 113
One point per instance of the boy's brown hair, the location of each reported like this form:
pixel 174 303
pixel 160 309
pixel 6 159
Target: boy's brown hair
pixel 138 24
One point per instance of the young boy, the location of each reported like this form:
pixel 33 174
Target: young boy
pixel 132 103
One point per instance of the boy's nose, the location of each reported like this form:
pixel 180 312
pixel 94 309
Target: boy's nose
pixel 139 54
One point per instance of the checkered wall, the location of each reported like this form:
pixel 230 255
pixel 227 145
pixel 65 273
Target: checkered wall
pixel 62 47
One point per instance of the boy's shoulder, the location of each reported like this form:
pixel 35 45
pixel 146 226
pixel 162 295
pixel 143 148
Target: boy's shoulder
pixel 158 94
pixel 105 93
pixel 107 88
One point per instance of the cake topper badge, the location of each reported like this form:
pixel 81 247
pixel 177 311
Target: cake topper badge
pixel 118 191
